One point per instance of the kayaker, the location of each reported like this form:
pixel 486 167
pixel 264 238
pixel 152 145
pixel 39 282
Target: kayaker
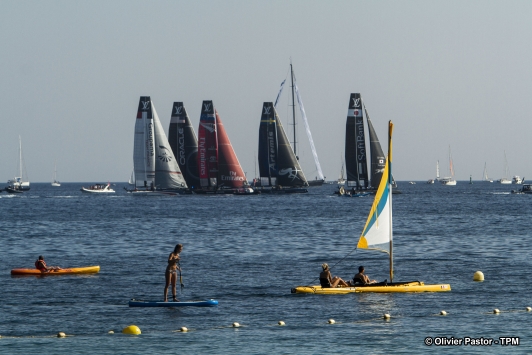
pixel 326 279
pixel 171 272
pixel 361 278
pixel 40 264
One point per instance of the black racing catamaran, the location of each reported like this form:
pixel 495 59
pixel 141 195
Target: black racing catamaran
pixel 279 169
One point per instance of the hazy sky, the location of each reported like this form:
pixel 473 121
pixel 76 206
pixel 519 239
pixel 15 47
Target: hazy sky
pixel 455 73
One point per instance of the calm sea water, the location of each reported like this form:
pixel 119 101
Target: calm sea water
pixel 248 252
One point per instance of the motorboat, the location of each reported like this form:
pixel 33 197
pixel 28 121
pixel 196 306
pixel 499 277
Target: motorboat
pixel 98 189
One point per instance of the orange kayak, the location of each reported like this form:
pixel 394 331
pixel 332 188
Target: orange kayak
pixel 74 270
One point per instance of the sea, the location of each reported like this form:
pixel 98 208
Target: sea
pixel 248 252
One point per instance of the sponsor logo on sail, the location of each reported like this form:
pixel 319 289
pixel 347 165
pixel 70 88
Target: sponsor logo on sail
pixel 356 102
pixel 207 107
pixel 233 176
pixel 150 151
pixel 181 146
pixel 202 160
pixel 208 126
pixel 267 110
pixel 178 110
pixel 164 154
pixel 145 105
pixel 271 153
pixel 291 172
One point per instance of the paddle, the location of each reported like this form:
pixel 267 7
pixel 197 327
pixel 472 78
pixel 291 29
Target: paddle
pixel 180 278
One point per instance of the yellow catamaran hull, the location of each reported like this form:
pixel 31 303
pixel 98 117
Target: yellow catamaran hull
pixel 415 286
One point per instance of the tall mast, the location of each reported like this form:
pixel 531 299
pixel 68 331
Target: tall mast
pixel 390 130
pixel 293 108
pixel 20 156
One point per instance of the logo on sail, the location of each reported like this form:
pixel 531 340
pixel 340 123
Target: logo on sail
pixel 208 126
pixel 145 105
pixel 207 107
pixel 267 110
pixel 356 102
pixel 178 110
pixel 164 155
pixel 292 173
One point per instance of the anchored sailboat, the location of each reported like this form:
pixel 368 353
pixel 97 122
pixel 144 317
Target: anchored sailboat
pixel 278 166
pixel 505 180
pixel 219 168
pixel 318 181
pixel 341 179
pixel 19 183
pixel 54 180
pixel 155 166
pixel 449 181
pixel 378 235
pixel 485 174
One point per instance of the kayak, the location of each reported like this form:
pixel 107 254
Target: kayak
pixel 396 287
pixel 74 270
pixel 139 303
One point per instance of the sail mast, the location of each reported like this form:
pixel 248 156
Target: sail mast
pixel 390 130
pixel 293 108
pixel 20 156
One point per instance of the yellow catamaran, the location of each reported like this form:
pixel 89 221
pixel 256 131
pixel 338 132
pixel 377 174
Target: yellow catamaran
pixel 377 235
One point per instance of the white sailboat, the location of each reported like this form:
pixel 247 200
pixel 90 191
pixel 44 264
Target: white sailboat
pixel 505 180
pixel 378 235
pixel 449 181
pixel 20 182
pixel 341 179
pixel 320 178
pixel 486 178
pixel 155 167
pixel 54 179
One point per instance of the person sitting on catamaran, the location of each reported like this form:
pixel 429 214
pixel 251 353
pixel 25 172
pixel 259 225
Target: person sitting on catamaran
pixel 326 279
pixel 361 279
pixel 40 264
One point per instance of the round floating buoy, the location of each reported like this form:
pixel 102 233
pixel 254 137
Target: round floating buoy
pixel 61 335
pixel 528 309
pixel 132 329
pixel 443 313
pixel 496 311
pixel 386 316
pixel 236 325
pixel 184 329
pixel 331 321
pixel 478 276
pixel 111 332
pixel 281 322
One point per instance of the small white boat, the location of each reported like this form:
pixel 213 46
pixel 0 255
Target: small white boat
pixel 486 178
pixel 449 181
pixel 18 182
pixel 412 182
pixel 505 180
pixel 517 180
pixel 430 181
pixel 98 189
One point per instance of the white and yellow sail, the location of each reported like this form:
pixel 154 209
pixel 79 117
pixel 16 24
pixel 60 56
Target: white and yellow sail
pixel 377 233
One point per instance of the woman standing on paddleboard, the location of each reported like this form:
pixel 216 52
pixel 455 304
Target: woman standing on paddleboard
pixel 171 272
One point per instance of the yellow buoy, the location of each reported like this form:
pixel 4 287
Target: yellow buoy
pixel 331 321
pixel 478 276
pixel 386 316
pixel 236 325
pixel 443 313
pixel 496 311
pixel 528 309
pixel 281 322
pixel 132 329
pixel 61 335
pixel 184 329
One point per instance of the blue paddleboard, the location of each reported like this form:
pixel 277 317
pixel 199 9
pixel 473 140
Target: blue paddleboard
pixel 139 303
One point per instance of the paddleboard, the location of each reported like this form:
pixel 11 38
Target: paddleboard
pixel 75 270
pixel 140 303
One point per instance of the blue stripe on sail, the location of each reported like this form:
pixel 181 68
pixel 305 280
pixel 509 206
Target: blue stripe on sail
pixel 383 200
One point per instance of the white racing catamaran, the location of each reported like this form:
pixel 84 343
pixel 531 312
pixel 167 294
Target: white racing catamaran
pixel 377 235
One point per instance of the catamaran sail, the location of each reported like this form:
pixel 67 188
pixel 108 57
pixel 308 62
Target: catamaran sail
pixel 377 156
pixel 278 165
pixel 355 145
pixel 184 143
pixel 295 93
pixel 229 169
pixel 154 162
